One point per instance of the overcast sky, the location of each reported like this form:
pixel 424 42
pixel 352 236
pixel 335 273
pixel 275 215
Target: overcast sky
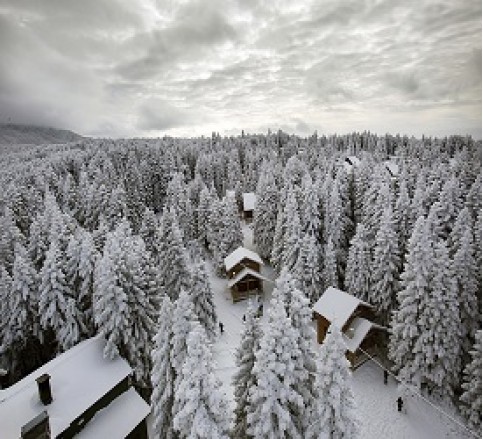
pixel 149 68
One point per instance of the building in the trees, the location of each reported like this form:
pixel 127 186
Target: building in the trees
pixel 392 167
pixel 353 317
pixel 249 200
pixel 243 268
pixel 351 162
pixel 79 393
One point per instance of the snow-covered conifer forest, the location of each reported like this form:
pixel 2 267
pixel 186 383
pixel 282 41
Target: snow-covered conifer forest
pixel 127 238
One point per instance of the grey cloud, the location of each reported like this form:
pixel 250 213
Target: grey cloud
pixel 129 68
pixel 156 115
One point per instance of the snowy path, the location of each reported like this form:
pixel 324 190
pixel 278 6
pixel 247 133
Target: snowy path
pixel 376 402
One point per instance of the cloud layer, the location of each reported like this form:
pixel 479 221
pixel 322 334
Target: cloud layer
pixel 122 68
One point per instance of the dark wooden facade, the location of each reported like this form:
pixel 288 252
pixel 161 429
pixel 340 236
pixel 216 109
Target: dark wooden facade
pixel 140 432
pixel 248 215
pixel 245 287
pixel 370 342
pixel 244 263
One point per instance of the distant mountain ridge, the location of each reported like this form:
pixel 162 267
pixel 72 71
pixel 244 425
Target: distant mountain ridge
pixel 16 134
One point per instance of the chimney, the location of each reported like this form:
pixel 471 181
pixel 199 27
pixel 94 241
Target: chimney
pixel 37 428
pixel 45 393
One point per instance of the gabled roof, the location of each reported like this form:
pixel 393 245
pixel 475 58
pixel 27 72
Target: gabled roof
pixel 238 255
pixel 246 272
pixel 353 160
pixel 118 419
pixel 78 378
pixel 249 200
pixel 357 331
pixel 337 306
pixel 392 167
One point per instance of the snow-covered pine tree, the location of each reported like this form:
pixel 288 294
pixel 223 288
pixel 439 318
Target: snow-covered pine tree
pixel 286 230
pixel 57 308
pixel 463 221
pixel 308 268
pixel 23 321
pixel 88 258
pixel 466 274
pixel 275 400
pixel 265 215
pixel 334 414
pixel 329 273
pixel 217 236
pixel 231 224
pixel 10 235
pixel 20 334
pixel 471 397
pixel 147 231
pixel 110 302
pixel 134 280
pixel 437 352
pixel 385 268
pixel 200 409
pixel 358 271
pixel 425 339
pixel 203 213
pixel 310 218
pixel 280 227
pixel 300 313
pixel 162 373
pixel 172 264
pixel 202 298
pixel 415 289
pixel 402 215
pixel 292 238
pixel 244 378
pixel 183 318
pixel 5 313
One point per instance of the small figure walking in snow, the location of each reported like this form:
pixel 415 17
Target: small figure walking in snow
pixel 244 318
pixel 399 404
pixel 385 376
pixel 221 327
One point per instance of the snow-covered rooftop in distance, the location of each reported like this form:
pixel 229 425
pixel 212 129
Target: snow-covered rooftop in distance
pixel 231 194
pixel 238 255
pixel 357 331
pixel 337 306
pixel 392 167
pixel 249 200
pixel 246 271
pixel 78 378
pixel 352 160
pixel 118 419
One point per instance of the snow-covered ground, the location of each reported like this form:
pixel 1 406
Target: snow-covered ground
pixel 376 402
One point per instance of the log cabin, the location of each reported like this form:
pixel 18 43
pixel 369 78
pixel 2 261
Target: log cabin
pixel 243 268
pixel 249 200
pixel 77 394
pixel 355 319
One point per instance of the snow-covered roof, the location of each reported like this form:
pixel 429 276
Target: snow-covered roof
pixel 392 167
pixel 337 306
pixel 78 378
pixel 353 160
pixel 357 331
pixel 249 200
pixel 238 255
pixel 231 194
pixel 246 271
pixel 118 419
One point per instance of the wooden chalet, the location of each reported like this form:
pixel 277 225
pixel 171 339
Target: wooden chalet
pixel 243 269
pixel 249 200
pixel 79 393
pixel 392 168
pixel 351 162
pixel 353 317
